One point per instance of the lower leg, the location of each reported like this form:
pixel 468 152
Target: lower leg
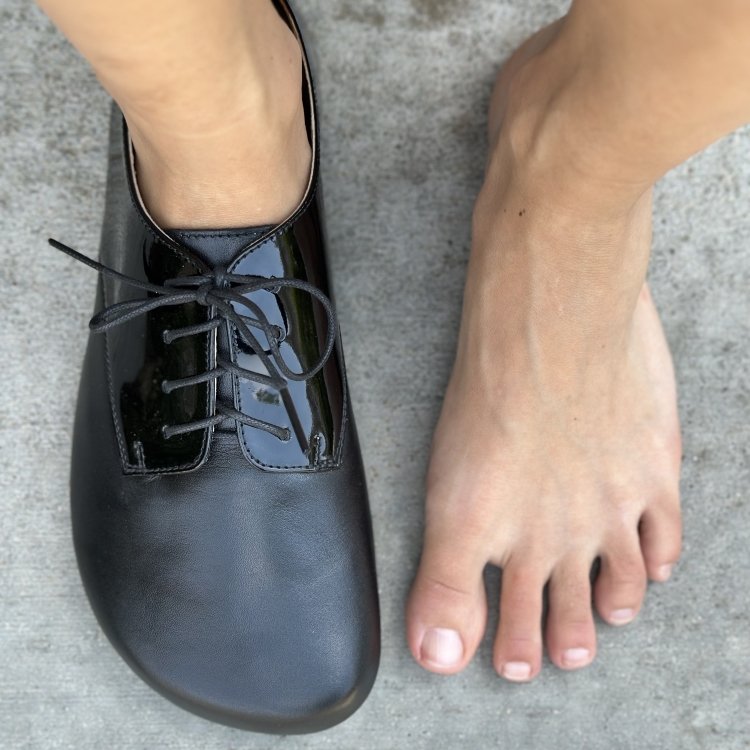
pixel 212 96
pixel 559 438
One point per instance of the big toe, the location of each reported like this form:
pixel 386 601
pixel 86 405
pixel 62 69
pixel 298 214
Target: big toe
pixel 447 608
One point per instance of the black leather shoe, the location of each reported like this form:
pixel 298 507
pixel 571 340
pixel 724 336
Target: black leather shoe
pixel 219 507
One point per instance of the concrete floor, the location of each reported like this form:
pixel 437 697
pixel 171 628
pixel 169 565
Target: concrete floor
pixel 404 86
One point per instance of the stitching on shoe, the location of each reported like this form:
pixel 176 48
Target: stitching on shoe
pixel 345 402
pixel 110 387
pixel 229 233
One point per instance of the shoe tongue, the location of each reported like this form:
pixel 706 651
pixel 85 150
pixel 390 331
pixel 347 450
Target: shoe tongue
pixel 217 246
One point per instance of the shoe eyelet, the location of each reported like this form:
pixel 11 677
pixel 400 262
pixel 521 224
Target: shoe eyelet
pixel 279 334
pixel 166 336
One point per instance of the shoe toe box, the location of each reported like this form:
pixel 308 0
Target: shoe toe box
pixel 244 596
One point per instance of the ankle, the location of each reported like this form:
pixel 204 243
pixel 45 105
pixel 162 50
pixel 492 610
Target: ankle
pixel 252 170
pixel 230 150
pixel 551 135
pixel 566 239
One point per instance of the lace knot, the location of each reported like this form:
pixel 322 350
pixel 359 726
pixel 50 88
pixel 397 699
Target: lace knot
pixel 203 293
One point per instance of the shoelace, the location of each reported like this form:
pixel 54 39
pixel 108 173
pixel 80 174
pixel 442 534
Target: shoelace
pixel 218 289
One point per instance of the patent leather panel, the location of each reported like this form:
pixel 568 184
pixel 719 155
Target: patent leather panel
pixel 312 410
pixel 138 359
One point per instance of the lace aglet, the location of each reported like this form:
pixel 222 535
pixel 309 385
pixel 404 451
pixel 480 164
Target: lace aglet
pixel 71 252
pixel 56 244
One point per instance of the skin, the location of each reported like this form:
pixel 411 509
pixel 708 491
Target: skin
pixel 559 440
pixel 211 95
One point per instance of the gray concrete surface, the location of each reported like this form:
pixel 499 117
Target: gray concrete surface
pixel 404 86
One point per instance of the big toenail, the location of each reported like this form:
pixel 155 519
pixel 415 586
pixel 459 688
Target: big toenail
pixel 664 572
pixel 442 647
pixel 576 657
pixel 622 616
pixel 518 671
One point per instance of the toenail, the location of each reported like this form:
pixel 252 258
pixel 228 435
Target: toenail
pixel 442 647
pixel 621 616
pixel 518 671
pixel 576 657
pixel 664 572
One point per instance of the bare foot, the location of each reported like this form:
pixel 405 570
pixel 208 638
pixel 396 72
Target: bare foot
pixel 559 438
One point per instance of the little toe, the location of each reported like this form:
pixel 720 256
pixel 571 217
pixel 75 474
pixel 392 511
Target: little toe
pixel 621 584
pixel 518 643
pixel 571 634
pixel 661 539
pixel 447 609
